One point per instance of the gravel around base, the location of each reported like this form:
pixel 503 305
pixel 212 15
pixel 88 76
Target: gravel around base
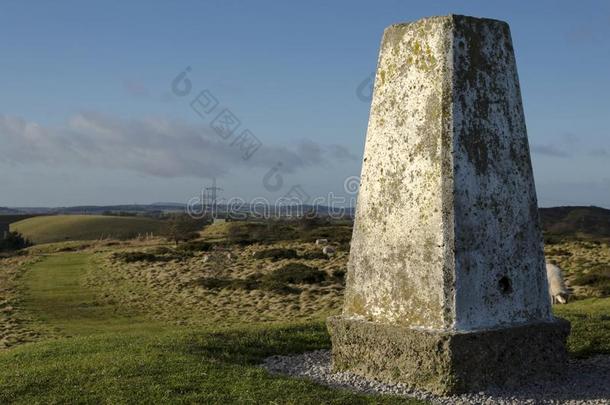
pixel 582 382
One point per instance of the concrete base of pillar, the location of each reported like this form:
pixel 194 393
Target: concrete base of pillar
pixel 448 362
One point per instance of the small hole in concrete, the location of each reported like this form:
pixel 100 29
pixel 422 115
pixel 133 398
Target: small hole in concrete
pixel 505 285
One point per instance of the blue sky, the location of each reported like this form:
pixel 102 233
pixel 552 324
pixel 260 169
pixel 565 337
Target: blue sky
pixel 85 85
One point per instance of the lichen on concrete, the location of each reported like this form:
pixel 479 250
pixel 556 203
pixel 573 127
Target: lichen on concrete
pixel 445 363
pixel 444 206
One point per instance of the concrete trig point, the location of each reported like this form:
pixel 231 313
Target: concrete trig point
pixel 446 287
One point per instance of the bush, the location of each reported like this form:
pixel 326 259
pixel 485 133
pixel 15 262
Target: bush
pixel 245 233
pixel 344 246
pixel 132 257
pixel 311 221
pixel 297 273
pixel 268 284
pixel 552 239
pixel 314 255
pixel 598 278
pixel 214 283
pixel 14 241
pixel 158 255
pixel 195 246
pixel 339 275
pixel 253 282
pixel 182 228
pixel 276 254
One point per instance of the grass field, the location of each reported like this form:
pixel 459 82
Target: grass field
pixel 100 353
pixel 57 228
pixel 110 331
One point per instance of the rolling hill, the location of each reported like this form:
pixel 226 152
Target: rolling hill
pixel 57 228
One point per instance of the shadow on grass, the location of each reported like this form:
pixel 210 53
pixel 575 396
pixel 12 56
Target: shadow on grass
pixel 253 345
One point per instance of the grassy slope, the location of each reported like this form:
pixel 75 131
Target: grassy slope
pixel 113 358
pixel 57 228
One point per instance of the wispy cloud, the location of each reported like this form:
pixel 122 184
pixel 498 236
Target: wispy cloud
pixel 151 146
pixel 549 150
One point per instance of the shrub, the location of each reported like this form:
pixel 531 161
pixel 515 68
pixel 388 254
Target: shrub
pixel 245 233
pixel 253 282
pixel 311 221
pixel 314 255
pixel 132 257
pixel 14 241
pixel 297 273
pixel 277 286
pixel 181 228
pixel 344 246
pixel 552 239
pixel 276 254
pixel 339 274
pixel 166 256
pixel 195 246
pixel 214 283
pixel 598 278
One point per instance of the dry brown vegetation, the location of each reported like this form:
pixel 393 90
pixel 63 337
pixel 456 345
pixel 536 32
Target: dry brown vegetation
pixel 227 284
pixel 586 265
pixel 225 277
pixel 14 326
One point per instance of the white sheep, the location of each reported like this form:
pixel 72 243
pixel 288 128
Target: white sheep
pixel 329 250
pixel 557 288
pixel 321 241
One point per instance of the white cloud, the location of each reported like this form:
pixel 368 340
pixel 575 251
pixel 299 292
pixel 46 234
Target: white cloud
pixel 152 146
pixel 549 150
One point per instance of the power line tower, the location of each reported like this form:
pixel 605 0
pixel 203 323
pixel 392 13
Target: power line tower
pixel 212 196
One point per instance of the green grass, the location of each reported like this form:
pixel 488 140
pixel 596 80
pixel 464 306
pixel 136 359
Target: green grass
pixel 53 292
pixel 103 354
pixel 168 367
pixel 590 320
pixel 116 358
pixel 58 228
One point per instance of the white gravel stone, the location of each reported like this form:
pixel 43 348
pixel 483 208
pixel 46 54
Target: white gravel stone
pixel 584 381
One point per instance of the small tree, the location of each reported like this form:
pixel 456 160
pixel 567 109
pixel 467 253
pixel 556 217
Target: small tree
pixel 14 241
pixel 311 220
pixel 181 228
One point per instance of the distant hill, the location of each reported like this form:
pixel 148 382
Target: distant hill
pixel 158 208
pixel 98 209
pixel 57 228
pixel 588 222
pixel 8 211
